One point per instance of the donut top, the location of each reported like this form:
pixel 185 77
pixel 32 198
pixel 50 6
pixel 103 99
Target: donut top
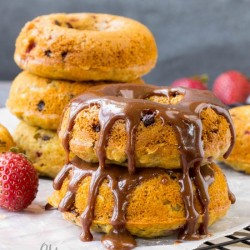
pixel 86 46
pixel 132 103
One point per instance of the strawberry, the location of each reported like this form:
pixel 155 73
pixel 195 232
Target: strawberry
pixel 18 181
pixel 231 87
pixel 196 82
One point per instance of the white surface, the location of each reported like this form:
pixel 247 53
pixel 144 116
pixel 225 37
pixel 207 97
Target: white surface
pixel 4 90
pixel 36 228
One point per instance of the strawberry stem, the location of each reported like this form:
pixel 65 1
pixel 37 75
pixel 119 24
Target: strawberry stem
pixel 15 150
pixel 203 78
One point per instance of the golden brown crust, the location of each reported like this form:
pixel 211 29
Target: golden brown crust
pixel 40 101
pixel 239 158
pixel 151 211
pixel 156 145
pixel 42 147
pixel 6 140
pixel 86 46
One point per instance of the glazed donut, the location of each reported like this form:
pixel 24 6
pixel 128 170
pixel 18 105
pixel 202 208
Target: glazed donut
pixel 86 46
pixel 152 116
pixel 42 148
pixel 239 159
pixel 6 140
pixel 151 211
pixel 40 101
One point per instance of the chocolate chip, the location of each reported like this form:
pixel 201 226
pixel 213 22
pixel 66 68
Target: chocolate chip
pixel 46 138
pixel 173 93
pixel 43 137
pixel 96 127
pixel 215 130
pixel 148 117
pixel 64 54
pixel 173 176
pixel 47 52
pixel 247 132
pixel 57 23
pixel 39 154
pixel 69 25
pixel 2 143
pixel 41 105
pixel 31 46
pixel 37 136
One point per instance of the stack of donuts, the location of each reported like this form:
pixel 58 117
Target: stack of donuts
pixel 62 56
pixel 144 162
pixel 139 158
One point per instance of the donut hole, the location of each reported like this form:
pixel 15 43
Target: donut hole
pixel 91 23
pixel 78 26
pixel 172 98
pixel 174 93
pixel 87 23
pixel 126 93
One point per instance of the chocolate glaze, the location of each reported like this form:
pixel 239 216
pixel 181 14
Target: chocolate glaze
pixel 129 102
pixel 122 184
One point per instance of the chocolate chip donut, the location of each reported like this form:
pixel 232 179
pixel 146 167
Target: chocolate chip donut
pixel 153 112
pixel 190 126
pixel 150 211
pixel 239 159
pixel 6 140
pixel 40 101
pixel 86 46
pixel 42 147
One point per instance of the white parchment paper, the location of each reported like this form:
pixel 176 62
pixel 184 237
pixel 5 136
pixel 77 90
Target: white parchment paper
pixel 35 228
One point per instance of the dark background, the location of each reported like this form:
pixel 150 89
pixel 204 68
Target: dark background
pixel 193 36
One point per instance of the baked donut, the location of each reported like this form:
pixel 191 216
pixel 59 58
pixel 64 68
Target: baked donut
pixel 239 159
pixel 150 211
pixel 6 140
pixel 40 101
pixel 42 147
pixel 153 114
pixel 86 46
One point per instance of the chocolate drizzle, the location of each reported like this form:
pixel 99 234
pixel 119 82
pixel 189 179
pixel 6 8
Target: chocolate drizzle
pixel 130 102
pixel 121 183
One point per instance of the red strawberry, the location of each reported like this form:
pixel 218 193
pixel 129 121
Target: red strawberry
pixel 231 87
pixel 18 181
pixel 196 82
